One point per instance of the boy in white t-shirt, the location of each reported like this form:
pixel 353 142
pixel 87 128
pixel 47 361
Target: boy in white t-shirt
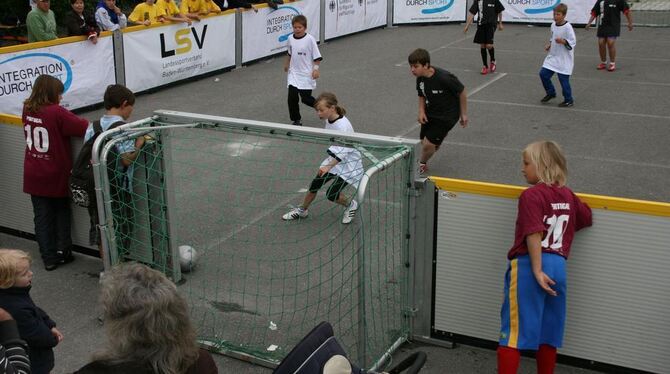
pixel 561 57
pixel 302 65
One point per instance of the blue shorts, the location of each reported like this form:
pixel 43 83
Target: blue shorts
pixel 529 315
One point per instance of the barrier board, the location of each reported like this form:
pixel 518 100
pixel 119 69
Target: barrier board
pixel 85 69
pixel 541 11
pixel 348 16
pixel 156 56
pixel 265 33
pixel 423 11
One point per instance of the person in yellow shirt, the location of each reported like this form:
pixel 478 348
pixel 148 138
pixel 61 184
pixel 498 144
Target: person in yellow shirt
pixel 146 14
pixel 168 9
pixel 193 9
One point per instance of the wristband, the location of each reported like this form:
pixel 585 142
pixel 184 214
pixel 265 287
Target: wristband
pixel 316 67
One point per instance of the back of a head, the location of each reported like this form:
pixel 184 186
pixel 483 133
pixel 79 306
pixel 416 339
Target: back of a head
pixel 9 265
pixel 46 91
pixel 550 162
pixel 146 320
pixel 116 95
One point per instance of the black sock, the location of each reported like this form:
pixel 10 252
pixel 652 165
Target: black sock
pixel 492 53
pixel 483 52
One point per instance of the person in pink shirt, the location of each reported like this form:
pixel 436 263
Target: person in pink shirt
pixel 48 128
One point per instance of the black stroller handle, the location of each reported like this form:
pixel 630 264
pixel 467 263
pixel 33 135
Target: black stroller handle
pixel 413 363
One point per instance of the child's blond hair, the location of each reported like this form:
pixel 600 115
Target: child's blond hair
pixel 549 161
pixel 9 265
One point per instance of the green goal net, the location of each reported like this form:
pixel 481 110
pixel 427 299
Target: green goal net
pixel 259 283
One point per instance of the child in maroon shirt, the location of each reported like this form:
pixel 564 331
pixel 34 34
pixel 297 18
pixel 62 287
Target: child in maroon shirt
pixel 47 165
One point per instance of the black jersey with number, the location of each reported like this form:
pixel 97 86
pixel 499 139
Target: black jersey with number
pixel 610 16
pixel 441 92
pixel 486 10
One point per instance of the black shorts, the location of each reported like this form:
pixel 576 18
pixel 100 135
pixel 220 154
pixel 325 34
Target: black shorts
pixel 334 189
pixel 608 31
pixel 484 34
pixel 436 130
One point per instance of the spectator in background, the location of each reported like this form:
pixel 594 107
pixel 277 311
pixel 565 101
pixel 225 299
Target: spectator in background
pixel 194 9
pixel 13 356
pixel 109 17
pixel 41 23
pixel 82 23
pixel 170 11
pixel 148 327
pixel 146 14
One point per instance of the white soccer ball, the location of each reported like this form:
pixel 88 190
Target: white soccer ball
pixel 188 257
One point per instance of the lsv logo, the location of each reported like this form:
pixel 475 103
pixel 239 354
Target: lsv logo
pixel 183 39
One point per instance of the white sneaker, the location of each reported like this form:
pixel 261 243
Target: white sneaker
pixel 295 213
pixel 350 213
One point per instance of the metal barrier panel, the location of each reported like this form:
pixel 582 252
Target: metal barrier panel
pixel 617 272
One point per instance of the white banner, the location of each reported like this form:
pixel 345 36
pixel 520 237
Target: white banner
pixel 85 69
pixel 348 16
pixel 161 55
pixel 422 11
pixel 541 11
pixel 265 33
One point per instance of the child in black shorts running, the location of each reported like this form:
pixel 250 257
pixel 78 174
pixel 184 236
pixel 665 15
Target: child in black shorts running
pixel 489 12
pixel 442 103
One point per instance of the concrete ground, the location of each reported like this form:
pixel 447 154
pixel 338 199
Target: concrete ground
pixel 616 137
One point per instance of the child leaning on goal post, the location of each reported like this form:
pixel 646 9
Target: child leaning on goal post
pixel 119 102
pixel 343 164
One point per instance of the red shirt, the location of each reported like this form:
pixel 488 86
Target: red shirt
pixel 554 211
pixel 48 160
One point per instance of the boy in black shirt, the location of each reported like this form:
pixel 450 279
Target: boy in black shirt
pixel 609 28
pixel 442 103
pixel 487 11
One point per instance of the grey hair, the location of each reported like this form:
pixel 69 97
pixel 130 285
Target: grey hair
pixel 146 320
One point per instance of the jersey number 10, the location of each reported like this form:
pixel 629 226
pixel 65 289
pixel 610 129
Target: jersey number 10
pixel 557 226
pixel 38 137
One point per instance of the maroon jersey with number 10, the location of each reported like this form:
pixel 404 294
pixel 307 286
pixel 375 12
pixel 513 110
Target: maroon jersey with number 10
pixel 48 160
pixel 556 212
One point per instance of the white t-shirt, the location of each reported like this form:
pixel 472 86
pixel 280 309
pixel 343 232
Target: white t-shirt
pixel 350 167
pixel 303 52
pixel 560 58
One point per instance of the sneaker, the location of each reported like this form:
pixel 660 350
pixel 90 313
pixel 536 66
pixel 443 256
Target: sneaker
pixel 611 67
pixel 601 66
pixel 295 213
pixel 492 68
pixel 64 257
pixel 547 98
pixel 566 104
pixel 423 168
pixel 350 213
pixel 297 123
pixel 485 70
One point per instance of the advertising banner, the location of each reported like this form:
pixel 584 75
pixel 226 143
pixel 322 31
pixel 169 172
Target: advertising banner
pixel 85 69
pixel 541 11
pixel 348 16
pixel 160 55
pixel 265 33
pixel 424 11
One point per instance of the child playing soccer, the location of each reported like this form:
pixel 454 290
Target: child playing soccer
pixel 302 64
pixel 442 103
pixel 609 28
pixel 35 326
pixel 549 213
pixel 343 164
pixel 488 12
pixel 560 59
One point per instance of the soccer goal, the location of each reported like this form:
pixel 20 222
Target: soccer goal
pixel 256 283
